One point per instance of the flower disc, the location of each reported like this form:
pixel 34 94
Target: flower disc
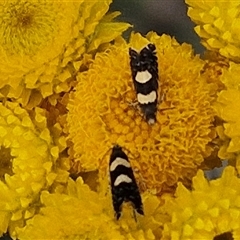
pixel 102 113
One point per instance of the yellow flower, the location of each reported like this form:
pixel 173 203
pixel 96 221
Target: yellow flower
pixel 42 44
pixel 228 109
pixel 28 159
pixel 218 25
pixel 56 123
pixel 101 114
pixel 210 209
pixel 213 69
pixel 85 214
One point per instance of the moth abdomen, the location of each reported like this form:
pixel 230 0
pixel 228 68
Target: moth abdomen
pixel 123 184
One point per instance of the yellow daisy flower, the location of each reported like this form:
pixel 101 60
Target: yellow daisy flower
pixel 228 109
pixel 210 210
pixel 85 214
pixel 42 44
pixel 28 159
pixel 102 113
pixel 218 25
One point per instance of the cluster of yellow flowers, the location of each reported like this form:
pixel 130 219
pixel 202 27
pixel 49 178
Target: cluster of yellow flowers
pixel 67 96
pixel 218 25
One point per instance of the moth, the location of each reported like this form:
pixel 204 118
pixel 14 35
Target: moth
pixel 144 68
pixel 123 184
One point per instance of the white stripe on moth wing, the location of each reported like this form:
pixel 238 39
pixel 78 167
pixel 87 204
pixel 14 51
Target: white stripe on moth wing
pixel 122 178
pixel 119 161
pixel 145 99
pixel 143 76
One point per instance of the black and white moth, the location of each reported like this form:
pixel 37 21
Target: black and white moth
pixel 123 184
pixel 144 68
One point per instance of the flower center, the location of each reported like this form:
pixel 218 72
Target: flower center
pixel 5 162
pixel 224 236
pixel 26 26
pixel 24 20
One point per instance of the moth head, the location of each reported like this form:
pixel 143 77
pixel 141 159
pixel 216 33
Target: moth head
pixel 117 147
pixel 143 60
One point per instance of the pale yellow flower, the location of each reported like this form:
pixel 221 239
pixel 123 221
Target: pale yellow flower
pixel 218 25
pixel 209 210
pixel 84 214
pixel 227 107
pixel 42 45
pixel 28 158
